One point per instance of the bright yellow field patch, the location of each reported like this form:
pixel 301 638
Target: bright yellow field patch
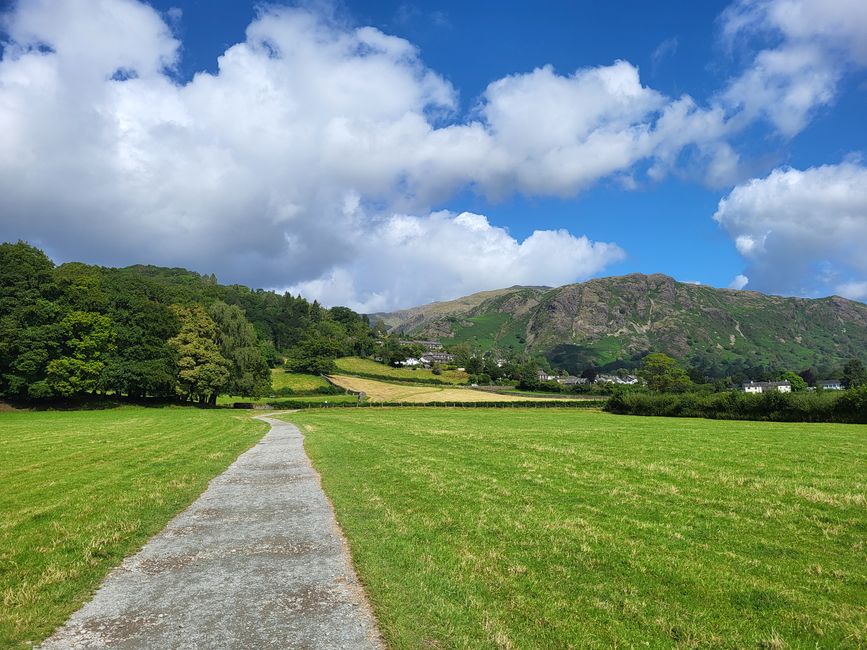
pixel 380 391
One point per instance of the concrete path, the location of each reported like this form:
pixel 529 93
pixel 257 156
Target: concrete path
pixel 256 562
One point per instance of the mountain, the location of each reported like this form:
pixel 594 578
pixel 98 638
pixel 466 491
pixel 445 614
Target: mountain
pixel 614 321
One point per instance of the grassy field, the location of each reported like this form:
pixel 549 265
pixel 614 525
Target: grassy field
pixel 357 366
pixel 557 528
pixel 382 391
pixel 278 402
pixel 296 381
pixel 81 490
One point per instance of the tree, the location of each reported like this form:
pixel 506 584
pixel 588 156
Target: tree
pixel 88 339
pixel 249 374
pixel 29 331
pixel 144 363
pixel 320 345
pixel 854 374
pixel 810 375
pixel 528 376
pixel 798 383
pixel 663 374
pixel 202 370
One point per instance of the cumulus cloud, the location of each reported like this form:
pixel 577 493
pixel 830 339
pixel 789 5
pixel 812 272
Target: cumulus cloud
pixel 813 42
pixel 739 282
pixel 465 252
pixel 802 230
pixel 313 141
pixel 311 135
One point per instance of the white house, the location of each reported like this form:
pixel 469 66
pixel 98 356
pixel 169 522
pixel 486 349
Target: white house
pixel 571 380
pixel 544 376
pixel 830 384
pixel 411 362
pixel 766 386
pixel 627 380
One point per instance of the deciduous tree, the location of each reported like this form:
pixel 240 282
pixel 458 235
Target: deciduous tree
pixel 202 370
pixel 663 374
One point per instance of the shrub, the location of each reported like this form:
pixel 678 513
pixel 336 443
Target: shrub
pixel 850 406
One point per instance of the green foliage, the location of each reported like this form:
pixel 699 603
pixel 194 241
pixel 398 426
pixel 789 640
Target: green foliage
pixel 854 374
pixel 663 374
pixel 41 358
pixel 202 370
pixel 249 373
pixel 798 383
pixel 88 339
pixel 820 406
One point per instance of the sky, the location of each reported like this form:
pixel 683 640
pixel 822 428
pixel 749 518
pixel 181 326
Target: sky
pixel 386 154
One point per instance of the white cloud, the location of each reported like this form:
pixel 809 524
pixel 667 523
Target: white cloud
pixel 739 282
pixel 664 50
pixel 801 229
pixel 309 136
pixel 813 43
pixel 399 256
pixel 287 165
pixel 852 290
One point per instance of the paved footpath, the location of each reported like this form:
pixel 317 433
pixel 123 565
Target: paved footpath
pixel 256 562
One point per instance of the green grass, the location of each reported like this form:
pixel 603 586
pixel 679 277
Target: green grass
pixel 299 383
pixel 369 368
pixel 296 381
pixel 279 402
pixel 80 490
pixel 555 529
pixel 482 334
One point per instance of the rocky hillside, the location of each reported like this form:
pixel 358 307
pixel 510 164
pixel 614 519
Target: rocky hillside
pixel 608 321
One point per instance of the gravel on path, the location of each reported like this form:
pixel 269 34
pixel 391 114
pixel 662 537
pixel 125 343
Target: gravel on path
pixel 258 561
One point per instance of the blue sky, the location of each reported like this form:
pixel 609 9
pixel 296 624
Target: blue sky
pixel 498 143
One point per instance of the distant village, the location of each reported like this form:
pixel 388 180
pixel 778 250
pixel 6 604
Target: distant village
pixel 436 354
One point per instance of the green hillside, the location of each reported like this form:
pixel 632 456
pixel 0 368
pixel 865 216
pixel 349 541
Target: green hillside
pixel 614 321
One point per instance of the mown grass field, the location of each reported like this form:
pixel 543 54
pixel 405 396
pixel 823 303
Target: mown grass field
pixel 382 391
pixel 558 528
pixel 288 402
pixel 296 381
pixel 80 490
pixel 358 366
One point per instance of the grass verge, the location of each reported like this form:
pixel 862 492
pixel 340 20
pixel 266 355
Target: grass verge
pixel 561 528
pixel 80 490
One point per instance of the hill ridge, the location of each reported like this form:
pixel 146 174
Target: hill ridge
pixel 618 319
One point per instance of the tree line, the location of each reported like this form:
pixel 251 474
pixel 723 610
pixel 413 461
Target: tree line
pixel 77 330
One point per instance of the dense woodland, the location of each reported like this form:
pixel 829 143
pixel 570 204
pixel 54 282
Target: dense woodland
pixel 74 330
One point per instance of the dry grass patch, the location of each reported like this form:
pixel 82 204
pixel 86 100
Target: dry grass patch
pixel 381 391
